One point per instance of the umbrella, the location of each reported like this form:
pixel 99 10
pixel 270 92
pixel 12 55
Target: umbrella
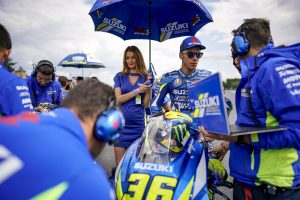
pixel 81 60
pixel 149 19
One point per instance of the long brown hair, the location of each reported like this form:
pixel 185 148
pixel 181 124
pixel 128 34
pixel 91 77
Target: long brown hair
pixel 140 64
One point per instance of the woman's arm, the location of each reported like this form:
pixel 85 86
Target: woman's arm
pixel 123 98
pixel 147 97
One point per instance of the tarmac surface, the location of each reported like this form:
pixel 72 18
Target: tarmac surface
pixel 107 157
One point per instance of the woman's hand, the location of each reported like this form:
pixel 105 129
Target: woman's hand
pixel 144 88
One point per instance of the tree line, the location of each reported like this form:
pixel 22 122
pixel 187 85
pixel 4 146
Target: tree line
pixel 10 65
pixel 231 83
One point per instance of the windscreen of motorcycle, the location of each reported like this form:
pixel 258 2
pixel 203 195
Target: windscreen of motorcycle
pixel 156 141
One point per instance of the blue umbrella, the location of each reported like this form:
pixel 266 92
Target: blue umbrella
pixel 149 19
pixel 81 60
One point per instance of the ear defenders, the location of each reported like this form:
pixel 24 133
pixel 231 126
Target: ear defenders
pixel 41 63
pixel 240 45
pixel 108 125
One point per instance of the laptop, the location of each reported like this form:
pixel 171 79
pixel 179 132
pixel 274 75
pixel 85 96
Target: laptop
pixel 209 109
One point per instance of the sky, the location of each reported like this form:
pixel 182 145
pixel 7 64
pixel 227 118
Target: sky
pixel 53 29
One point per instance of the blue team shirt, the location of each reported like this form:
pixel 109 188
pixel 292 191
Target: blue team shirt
pixel 273 78
pixel 14 94
pixel 176 85
pixel 48 154
pixel 51 93
pixel 133 113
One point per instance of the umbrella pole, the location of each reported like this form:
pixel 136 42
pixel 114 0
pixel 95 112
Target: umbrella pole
pixel 82 71
pixel 150 34
pixel 150 27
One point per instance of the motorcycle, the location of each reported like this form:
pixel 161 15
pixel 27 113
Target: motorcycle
pixel 167 162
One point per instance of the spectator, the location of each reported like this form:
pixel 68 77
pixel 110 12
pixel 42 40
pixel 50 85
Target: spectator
pixel 49 156
pixel 43 87
pixel 265 165
pixel 79 79
pixel 94 77
pixel 133 92
pixel 14 95
pixel 70 85
pixel 63 82
pixel 20 73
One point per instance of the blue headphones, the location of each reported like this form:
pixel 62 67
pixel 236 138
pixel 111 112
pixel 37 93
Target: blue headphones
pixel 108 124
pixel 240 45
pixel 41 63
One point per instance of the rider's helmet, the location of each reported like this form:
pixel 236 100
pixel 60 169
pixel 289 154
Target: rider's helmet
pixel 179 127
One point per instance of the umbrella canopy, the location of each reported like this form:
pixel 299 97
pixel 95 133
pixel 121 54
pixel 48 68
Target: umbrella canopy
pixel 133 19
pixel 81 60
pixel 149 19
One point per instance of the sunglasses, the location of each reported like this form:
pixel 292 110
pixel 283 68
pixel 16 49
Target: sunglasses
pixel 191 54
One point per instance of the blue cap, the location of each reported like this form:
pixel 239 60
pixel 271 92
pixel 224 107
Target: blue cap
pixel 191 42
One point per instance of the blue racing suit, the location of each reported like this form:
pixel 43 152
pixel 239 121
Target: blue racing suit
pixel 14 94
pixel 272 79
pixel 51 93
pixel 176 84
pixel 47 157
pixel 154 108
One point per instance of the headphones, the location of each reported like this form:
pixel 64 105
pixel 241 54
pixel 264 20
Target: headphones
pixel 109 123
pixel 36 68
pixel 240 45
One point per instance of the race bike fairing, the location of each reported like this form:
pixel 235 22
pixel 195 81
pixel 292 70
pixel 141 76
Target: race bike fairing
pixel 162 141
pixel 165 163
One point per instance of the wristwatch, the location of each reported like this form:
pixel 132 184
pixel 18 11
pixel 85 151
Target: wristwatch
pixel 241 140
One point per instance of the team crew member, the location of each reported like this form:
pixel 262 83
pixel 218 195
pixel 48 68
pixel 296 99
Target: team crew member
pixel 42 85
pixel 265 165
pixel 49 156
pixel 14 94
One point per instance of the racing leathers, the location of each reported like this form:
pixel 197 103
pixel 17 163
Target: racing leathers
pixel 154 108
pixel 271 82
pixel 176 84
pixel 14 94
pixel 51 93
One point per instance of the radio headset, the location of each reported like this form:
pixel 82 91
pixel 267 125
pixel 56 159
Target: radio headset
pixel 109 123
pixel 36 68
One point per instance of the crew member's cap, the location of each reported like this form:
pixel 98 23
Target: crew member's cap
pixel 189 42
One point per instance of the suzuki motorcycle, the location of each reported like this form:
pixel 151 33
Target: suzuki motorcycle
pixel 165 163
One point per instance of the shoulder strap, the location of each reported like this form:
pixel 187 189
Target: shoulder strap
pixel 251 109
